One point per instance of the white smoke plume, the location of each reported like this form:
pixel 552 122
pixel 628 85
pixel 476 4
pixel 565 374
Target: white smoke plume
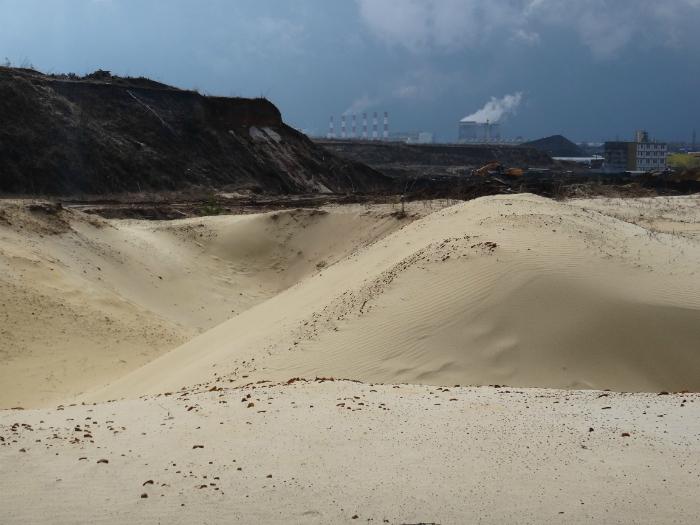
pixel 361 105
pixel 496 109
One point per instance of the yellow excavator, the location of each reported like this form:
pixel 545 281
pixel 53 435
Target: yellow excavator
pixel 496 168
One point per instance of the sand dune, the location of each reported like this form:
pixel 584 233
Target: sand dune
pixel 515 290
pixel 85 300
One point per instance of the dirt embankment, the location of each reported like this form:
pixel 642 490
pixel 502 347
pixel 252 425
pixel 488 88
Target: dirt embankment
pixel 103 134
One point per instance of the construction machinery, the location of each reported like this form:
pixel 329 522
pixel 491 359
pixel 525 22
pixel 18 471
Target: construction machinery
pixel 496 168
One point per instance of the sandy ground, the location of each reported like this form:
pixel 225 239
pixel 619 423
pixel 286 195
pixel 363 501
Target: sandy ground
pixel 195 327
pixel 676 215
pixel 328 452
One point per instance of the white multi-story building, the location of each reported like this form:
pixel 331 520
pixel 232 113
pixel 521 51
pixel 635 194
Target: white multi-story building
pixel 651 156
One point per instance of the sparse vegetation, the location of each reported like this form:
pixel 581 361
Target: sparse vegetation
pixel 212 207
pixel 683 161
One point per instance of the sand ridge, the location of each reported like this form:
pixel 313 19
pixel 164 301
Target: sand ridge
pixel 517 290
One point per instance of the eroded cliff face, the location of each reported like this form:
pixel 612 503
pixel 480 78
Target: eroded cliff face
pixel 103 134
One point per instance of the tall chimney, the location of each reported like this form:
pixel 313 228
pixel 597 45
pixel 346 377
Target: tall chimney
pixel 375 126
pixel 343 128
pixel 364 126
pixel 386 126
pixel 331 129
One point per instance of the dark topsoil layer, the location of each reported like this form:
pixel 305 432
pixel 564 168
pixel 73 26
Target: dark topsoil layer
pixel 68 135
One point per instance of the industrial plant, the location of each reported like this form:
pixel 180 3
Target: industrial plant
pixel 485 128
pixel 484 125
pixel 478 132
pixel 481 127
pixel 352 132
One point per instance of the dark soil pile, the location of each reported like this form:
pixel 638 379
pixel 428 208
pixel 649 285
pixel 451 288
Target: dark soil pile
pixel 102 134
pixel 556 146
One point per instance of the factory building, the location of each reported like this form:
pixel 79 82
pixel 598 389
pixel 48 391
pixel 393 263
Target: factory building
pixel 471 131
pixel 349 127
pixel 640 155
pixel 426 137
pixel 412 137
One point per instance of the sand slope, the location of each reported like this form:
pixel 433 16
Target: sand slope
pixel 515 290
pixel 326 452
pixel 85 300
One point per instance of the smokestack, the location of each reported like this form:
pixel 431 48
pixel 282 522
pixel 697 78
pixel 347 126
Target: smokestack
pixel 375 126
pixel 331 129
pixel 353 133
pixel 364 126
pixel 386 126
pixel 343 129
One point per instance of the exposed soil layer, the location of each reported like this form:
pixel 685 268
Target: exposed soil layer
pixel 178 205
pixel 102 134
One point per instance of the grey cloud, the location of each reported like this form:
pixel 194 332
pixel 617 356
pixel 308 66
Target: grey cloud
pixel 604 26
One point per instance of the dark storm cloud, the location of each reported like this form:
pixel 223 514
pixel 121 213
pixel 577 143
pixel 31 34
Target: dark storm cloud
pixel 587 68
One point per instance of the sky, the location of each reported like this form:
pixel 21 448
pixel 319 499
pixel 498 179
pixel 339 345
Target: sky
pixel 588 69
